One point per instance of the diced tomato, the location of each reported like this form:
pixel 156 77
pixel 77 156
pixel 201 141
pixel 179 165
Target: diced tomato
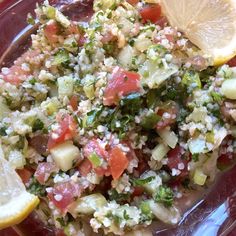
pixel 95 146
pixel 16 74
pixel 162 21
pixel 151 13
pixel 226 155
pixel 118 162
pixel 74 102
pixel 121 84
pixel 73 28
pixel 232 62
pixel 66 131
pixel 138 191
pixel 175 158
pixel 43 171
pixel 25 174
pixel 63 194
pixel 85 167
pixel 168 115
pixel 51 31
pixel 133 2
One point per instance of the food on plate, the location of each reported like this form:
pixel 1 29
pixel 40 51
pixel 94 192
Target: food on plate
pixel 111 122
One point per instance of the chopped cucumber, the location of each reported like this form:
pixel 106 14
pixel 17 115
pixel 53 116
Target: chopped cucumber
pixel 199 177
pixel 168 137
pixel 153 75
pixel 65 154
pixel 159 152
pixel 170 215
pixel 88 205
pixel 228 88
pixel 154 183
pixel 65 86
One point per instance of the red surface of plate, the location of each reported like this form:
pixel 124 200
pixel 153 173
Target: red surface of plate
pixel 211 216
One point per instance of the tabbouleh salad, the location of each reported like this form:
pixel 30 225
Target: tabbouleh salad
pixel 111 121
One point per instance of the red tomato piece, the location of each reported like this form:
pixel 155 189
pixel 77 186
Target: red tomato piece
pixel 95 146
pixel 232 62
pixel 51 31
pixel 85 167
pixel 121 84
pixel 138 191
pixel 118 162
pixel 24 174
pixel 66 131
pixel 133 2
pixel 74 102
pixel 43 171
pixel 226 154
pixel 63 194
pixel 175 159
pixel 151 13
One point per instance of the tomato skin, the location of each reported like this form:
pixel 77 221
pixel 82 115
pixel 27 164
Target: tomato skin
pixel 121 84
pixel 43 171
pixel 25 174
pixel 67 192
pixel 85 167
pixel 232 62
pixel 118 162
pixel 74 102
pixel 51 30
pixel 66 131
pixel 226 156
pixel 95 146
pixel 138 191
pixel 151 13
pixel 133 2
pixel 175 158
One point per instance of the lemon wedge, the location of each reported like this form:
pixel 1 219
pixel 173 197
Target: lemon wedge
pixel 209 24
pixel 15 202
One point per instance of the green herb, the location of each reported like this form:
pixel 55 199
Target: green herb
pixel 125 215
pixel 118 197
pixel 95 160
pixel 131 42
pixel 146 211
pixel 61 57
pixel 195 157
pixel 61 221
pixel 165 195
pixel 3 131
pixel 191 80
pixel 131 104
pixel 141 182
pixel 149 121
pixel 36 188
pixel 110 47
pixel 30 19
pixel 217 97
pixel 37 125
pixel 152 98
pixel 92 116
pixel 32 81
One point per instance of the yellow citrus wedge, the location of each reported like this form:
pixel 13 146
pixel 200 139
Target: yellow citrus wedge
pixel 209 24
pixel 15 202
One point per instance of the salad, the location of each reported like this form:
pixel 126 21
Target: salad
pixel 111 122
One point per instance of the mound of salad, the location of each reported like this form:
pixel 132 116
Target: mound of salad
pixel 112 121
